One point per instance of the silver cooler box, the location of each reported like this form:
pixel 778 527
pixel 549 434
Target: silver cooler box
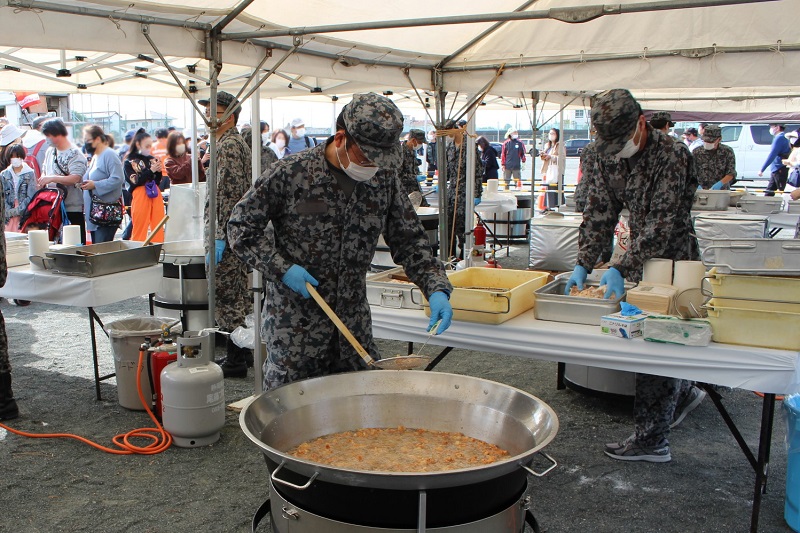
pixel 554 243
pixel 709 227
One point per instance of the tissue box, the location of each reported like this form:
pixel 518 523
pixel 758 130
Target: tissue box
pixel 671 330
pixel 626 327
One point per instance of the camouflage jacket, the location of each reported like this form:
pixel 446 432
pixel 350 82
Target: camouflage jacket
pixel 657 186
pixel 298 214
pixel 453 175
pixel 3 263
pixel 234 171
pixel 268 155
pixel 409 171
pixel 713 165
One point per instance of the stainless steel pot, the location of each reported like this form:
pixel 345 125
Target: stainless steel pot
pixel 282 418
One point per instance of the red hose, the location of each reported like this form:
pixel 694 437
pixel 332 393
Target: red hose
pixel 161 440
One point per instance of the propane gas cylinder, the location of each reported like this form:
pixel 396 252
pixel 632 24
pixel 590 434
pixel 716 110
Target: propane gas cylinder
pixel 192 393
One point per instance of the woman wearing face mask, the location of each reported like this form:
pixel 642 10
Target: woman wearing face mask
pixel 488 158
pixel 102 183
pixel 280 144
pixel 179 162
pixel 552 167
pixel 143 172
pixel 19 184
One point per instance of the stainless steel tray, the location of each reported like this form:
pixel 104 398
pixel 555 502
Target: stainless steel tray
pixel 761 257
pixel 101 259
pixel 553 305
pixel 382 291
pixel 760 205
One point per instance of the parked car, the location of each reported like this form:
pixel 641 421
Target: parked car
pixel 751 144
pixel 573 145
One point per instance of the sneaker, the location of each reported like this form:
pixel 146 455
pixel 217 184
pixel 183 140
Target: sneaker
pixel 689 404
pixel 630 450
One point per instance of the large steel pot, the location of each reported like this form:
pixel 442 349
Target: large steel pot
pixel 282 418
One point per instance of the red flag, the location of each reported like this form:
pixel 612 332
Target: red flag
pixel 27 100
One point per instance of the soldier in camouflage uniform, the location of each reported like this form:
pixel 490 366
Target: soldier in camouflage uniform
pixel 410 169
pixel 233 180
pixel 635 166
pixel 268 155
pixel 316 217
pixel 715 163
pixel 8 406
pixel 457 179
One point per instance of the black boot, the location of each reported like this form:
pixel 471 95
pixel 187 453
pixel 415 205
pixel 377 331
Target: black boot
pixel 235 364
pixel 8 406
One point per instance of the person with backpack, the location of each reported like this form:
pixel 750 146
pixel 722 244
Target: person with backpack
pixel 19 186
pixel 64 164
pixel 143 172
pixel 36 145
pixel 298 140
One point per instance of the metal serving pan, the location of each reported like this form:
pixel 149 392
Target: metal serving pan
pixel 553 305
pixel 762 257
pixel 101 259
pixel 706 200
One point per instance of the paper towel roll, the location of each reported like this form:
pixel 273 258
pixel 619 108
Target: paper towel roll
pixel 492 186
pixel 38 243
pixel 688 275
pixel 658 271
pixel 71 235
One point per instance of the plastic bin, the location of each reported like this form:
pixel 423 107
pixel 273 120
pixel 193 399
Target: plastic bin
pixel 791 512
pixel 764 288
pixel 126 336
pixel 764 324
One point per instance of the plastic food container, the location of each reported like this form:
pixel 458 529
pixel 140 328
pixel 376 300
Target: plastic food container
pixel 766 257
pixel 388 289
pixel 760 205
pixel 793 207
pixel 762 288
pixel 553 305
pixel 763 324
pixel 706 200
pixel 492 295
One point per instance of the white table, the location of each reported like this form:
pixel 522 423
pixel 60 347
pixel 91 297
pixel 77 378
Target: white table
pixel 759 369
pixel 27 283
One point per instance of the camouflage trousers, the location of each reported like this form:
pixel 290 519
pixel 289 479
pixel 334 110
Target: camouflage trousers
pixel 234 298
pixel 460 227
pixel 280 369
pixel 5 363
pixel 654 406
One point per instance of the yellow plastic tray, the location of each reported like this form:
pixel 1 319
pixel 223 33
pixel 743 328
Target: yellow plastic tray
pixel 488 306
pixel 762 288
pixel 764 324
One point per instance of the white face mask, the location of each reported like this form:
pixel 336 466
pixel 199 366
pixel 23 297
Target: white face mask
pixel 16 162
pixel 280 143
pixel 265 138
pixel 356 172
pixel 301 132
pixel 180 149
pixel 551 136
pixel 514 135
pixel 709 146
pixel 631 147
pixel 145 151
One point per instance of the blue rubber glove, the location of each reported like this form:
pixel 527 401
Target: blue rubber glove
pixel 435 188
pixel 440 310
pixel 421 178
pixel 717 186
pixel 477 201
pixel 614 283
pixel 219 247
pixel 296 278
pixel 577 279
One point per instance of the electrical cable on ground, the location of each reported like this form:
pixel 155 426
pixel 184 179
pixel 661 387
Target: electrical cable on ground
pixel 161 440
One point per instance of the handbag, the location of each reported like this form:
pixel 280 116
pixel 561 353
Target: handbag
pixel 106 214
pixel 151 189
pixel 794 177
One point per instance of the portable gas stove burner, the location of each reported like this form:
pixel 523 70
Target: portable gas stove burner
pixel 286 517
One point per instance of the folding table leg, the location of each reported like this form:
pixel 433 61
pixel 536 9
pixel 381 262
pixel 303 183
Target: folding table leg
pixel 762 463
pixel 560 376
pixel 92 316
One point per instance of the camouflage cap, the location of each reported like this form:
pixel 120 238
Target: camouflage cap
pixel 375 123
pixel 417 135
pixel 614 117
pixel 223 99
pixel 662 118
pixel 711 133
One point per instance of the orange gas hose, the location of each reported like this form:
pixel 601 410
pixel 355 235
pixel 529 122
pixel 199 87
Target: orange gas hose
pixel 161 440
pixel 778 397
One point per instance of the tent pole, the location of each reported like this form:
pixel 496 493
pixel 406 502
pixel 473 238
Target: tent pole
pixel 195 160
pixel 560 186
pixel 211 195
pixel 534 159
pixel 441 166
pixel 255 120
pixel 469 207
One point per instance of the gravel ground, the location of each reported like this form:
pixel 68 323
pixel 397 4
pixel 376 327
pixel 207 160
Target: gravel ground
pixel 58 485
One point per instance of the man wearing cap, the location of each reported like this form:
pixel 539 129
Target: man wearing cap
pixel 635 166
pixel 693 140
pixel 233 180
pixel 779 150
pixel 457 184
pixel 298 140
pixel 35 142
pixel 410 169
pixel 512 156
pixel 715 163
pixel 316 217
pixel 662 121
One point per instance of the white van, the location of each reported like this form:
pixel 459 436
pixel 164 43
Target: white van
pixel 751 144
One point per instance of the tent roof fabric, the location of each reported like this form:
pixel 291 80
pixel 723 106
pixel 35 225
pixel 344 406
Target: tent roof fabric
pixel 722 57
